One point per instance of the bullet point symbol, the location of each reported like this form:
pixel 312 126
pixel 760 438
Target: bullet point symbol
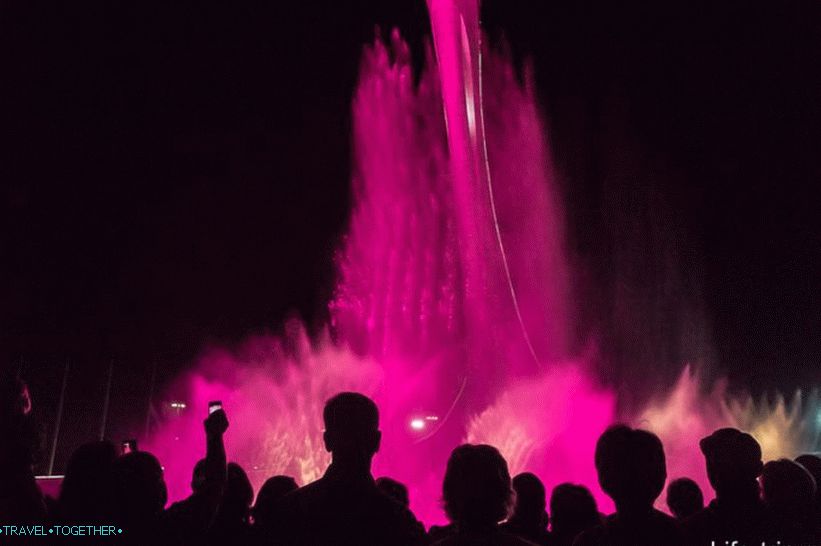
pixel 120 531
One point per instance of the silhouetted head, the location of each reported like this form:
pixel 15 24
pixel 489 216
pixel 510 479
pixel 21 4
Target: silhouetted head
pixel 238 493
pixel 684 497
pixel 477 490
pixel 198 476
pixel 787 486
pixel 398 491
pixel 15 399
pixel 269 495
pixel 733 462
pixel 813 465
pixel 86 484
pixel 572 509
pixel 631 467
pixel 530 498
pixel 138 488
pixel 351 428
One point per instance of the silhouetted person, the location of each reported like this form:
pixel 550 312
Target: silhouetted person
pixel 684 498
pixel 189 521
pixel 84 493
pixel 232 523
pixel 529 519
pixel 789 493
pixel 193 515
pixel 478 495
pixel 572 511
pixel 270 494
pixel 20 499
pixel 632 471
pixel 438 533
pixel 734 463
pixel 813 465
pixel 396 490
pixel 345 506
pixel 139 495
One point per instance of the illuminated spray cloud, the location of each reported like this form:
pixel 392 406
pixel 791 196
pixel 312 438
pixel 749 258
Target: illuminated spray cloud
pixel 451 306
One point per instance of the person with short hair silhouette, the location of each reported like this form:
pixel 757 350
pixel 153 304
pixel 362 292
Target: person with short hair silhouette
pixel 232 522
pixel 572 511
pixel 269 495
pixel 397 491
pixel 345 507
pixel 477 494
pixel 684 498
pixel 733 460
pixel 188 521
pixel 789 493
pixel 529 519
pixel 632 471
pixel 193 515
pixel 84 492
pixel 20 498
pixel 139 495
pixel 394 489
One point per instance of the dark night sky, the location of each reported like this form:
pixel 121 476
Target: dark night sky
pixel 176 174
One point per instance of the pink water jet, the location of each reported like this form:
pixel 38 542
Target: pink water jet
pixel 451 307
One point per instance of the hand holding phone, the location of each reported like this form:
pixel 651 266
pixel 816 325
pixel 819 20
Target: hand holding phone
pixel 216 422
pixel 128 446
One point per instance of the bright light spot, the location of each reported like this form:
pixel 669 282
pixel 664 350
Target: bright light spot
pixel 178 405
pixel 421 423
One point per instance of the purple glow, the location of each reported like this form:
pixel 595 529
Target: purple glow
pixel 424 317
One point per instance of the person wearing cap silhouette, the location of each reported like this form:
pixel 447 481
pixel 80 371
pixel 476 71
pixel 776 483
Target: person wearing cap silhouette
pixel 737 513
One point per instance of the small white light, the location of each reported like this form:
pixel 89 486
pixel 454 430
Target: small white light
pixel 417 424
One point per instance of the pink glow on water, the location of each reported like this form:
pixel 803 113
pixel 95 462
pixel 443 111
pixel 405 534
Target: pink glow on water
pixel 549 425
pixel 423 318
pixel 783 428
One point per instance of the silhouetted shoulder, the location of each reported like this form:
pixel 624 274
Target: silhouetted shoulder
pixel 499 538
pixel 657 529
pixel 323 514
pixel 750 523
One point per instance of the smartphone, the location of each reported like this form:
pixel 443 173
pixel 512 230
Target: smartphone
pixel 213 406
pixel 128 446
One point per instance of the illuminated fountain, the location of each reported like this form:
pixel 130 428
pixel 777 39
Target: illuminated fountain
pixel 451 308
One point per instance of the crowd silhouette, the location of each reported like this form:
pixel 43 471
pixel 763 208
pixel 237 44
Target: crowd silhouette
pixel 776 503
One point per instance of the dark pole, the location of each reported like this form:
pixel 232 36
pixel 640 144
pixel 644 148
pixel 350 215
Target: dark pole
pixel 150 397
pixel 59 420
pixel 106 400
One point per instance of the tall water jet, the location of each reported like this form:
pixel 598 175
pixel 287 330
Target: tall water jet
pixel 452 289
